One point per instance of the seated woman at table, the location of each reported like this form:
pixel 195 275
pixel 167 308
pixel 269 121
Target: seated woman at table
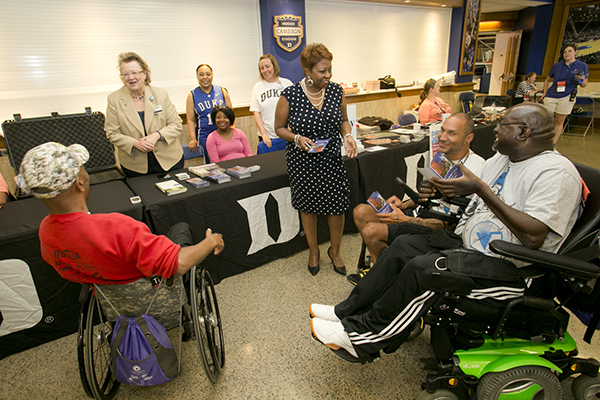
pixel 226 143
pixel 142 123
pixel 432 107
pixel 527 88
pixel 198 108
pixel 264 100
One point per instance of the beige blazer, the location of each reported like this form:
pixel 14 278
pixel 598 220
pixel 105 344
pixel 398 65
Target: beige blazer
pixel 123 127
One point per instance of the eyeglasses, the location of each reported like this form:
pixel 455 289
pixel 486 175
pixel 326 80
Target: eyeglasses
pixel 132 73
pixel 500 124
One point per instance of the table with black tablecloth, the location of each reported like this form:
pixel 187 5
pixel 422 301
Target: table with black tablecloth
pixel 254 215
pixel 20 222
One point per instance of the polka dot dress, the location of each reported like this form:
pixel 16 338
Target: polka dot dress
pixel 318 180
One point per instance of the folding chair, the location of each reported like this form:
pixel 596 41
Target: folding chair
pixel 580 101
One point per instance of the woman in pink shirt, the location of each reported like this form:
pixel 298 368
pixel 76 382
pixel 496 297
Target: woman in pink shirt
pixel 226 143
pixel 432 107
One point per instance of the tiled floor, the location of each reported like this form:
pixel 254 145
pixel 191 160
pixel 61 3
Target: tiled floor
pixel 270 354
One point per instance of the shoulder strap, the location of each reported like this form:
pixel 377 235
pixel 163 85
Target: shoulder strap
pixel 114 347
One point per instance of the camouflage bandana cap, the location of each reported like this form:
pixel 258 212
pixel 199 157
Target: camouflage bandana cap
pixel 51 166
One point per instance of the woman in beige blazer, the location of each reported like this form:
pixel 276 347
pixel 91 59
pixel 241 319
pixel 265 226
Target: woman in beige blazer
pixel 142 123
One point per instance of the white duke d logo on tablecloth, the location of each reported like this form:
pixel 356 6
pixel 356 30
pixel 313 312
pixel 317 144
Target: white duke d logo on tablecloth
pixel 255 208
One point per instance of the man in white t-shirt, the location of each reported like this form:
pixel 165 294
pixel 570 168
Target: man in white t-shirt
pixel 379 230
pixel 528 194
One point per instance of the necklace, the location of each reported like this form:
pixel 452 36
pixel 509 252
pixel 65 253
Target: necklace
pixel 138 98
pixel 464 158
pixel 318 98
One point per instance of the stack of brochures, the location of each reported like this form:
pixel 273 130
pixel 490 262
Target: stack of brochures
pixel 197 182
pixel 217 176
pixel 201 170
pixel 239 172
pixel 171 187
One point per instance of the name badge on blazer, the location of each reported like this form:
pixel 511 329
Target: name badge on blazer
pixel 158 109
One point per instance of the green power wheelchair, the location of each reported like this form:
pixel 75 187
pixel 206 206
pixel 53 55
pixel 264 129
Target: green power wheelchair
pixel 523 351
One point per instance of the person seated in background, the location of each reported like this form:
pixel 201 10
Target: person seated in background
pixel 100 248
pixel 527 89
pixel 226 143
pixel 432 107
pixel 379 230
pixel 3 190
pixel 527 194
pixel 265 95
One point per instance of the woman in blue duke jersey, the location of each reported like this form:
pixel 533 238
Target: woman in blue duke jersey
pixel 265 95
pixel 199 105
pixel 310 110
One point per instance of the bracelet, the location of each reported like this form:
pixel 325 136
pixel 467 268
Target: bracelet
pixel 297 140
pixel 347 134
pixel 159 135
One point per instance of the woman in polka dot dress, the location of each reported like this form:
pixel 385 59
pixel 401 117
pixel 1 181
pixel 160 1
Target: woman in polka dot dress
pixel 315 109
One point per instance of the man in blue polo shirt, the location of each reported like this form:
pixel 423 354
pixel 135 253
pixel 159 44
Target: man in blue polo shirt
pixel 567 74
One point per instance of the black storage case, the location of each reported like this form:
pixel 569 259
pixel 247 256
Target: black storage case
pixel 87 129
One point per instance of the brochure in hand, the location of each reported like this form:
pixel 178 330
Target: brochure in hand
pixel 319 145
pixel 197 182
pixel 379 204
pixel 440 167
pixel 171 187
pixel 239 172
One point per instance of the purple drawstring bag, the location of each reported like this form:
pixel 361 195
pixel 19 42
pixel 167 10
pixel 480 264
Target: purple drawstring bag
pixel 142 353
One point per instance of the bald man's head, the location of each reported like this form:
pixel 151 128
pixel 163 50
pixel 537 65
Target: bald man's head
pixel 537 117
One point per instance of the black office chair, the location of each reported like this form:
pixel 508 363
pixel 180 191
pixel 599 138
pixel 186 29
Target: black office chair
pixel 466 100
pixel 514 100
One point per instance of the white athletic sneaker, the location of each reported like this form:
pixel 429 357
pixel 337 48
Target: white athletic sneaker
pixel 324 312
pixel 332 335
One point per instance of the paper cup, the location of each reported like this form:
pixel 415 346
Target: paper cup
pixel 416 127
pixel 445 116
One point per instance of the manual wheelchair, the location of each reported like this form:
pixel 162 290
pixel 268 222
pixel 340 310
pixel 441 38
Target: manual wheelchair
pixel 192 306
pixel 522 351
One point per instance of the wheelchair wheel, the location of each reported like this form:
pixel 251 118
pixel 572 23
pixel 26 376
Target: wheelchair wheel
pixel 527 382
pixel 440 394
pixel 94 350
pixel 80 348
pixel 207 323
pixel 416 329
pixel 586 387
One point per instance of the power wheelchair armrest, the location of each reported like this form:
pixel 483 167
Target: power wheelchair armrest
pixel 561 263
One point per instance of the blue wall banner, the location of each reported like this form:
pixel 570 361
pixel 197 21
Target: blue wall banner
pixel 283 28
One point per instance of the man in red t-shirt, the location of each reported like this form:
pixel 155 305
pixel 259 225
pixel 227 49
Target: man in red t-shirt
pixel 100 248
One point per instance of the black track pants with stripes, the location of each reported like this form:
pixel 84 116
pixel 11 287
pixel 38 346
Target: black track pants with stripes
pixel 390 298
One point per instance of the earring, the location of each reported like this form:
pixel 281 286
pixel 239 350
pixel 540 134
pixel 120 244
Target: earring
pixel 309 81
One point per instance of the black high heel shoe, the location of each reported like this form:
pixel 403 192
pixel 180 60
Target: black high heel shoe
pixel 314 270
pixel 341 270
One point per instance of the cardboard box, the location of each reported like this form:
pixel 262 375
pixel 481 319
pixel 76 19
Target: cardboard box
pixel 372 85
